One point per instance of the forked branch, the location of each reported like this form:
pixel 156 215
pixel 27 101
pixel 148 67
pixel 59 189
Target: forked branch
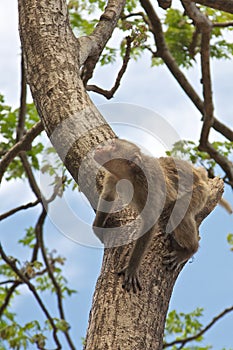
pixel 204 106
pixel 110 93
pixel 184 341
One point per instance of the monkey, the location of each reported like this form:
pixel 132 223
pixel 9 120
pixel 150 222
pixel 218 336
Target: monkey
pixel 158 183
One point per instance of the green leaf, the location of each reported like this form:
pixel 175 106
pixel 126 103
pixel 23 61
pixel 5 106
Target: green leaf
pixel 230 240
pixel 181 326
pixel 61 325
pixel 30 238
pixel 178 36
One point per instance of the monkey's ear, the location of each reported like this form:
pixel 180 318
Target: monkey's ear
pixel 136 159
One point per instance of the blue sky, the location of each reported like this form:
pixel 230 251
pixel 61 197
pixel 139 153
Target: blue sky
pixel 208 281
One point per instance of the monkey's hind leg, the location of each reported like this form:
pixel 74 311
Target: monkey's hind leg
pixel 185 243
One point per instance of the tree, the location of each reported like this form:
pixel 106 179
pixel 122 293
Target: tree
pixel 58 68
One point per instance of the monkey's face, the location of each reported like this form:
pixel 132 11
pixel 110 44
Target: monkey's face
pixel 119 157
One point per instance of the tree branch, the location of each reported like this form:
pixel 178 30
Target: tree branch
pixel 225 164
pixel 223 129
pixel 20 132
pixel 9 294
pixel 226 5
pixel 164 53
pixel 200 333
pixel 31 287
pixel 194 42
pixel 21 207
pixel 99 38
pixel 31 178
pixel 110 93
pixel 39 234
pixel 40 222
pixel 204 26
pixel 23 145
pixel 223 25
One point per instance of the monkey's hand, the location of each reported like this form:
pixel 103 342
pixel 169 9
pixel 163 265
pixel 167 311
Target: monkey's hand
pixel 130 279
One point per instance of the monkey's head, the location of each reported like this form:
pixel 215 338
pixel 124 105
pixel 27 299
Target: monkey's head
pixel 119 157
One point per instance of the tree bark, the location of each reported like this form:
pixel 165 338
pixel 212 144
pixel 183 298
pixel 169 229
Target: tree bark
pixel 128 321
pixel 53 57
pixel 226 5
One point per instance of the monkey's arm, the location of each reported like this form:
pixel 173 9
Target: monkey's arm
pixel 105 205
pixel 131 271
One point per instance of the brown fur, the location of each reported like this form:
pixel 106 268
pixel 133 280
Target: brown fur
pixel 158 184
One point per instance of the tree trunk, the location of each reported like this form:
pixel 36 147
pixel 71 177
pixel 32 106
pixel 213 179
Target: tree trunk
pixel 128 321
pixel 53 56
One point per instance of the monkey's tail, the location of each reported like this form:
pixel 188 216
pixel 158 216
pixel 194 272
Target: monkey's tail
pixel 226 205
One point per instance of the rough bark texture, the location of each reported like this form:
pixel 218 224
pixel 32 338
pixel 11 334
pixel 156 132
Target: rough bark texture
pixel 118 320
pixel 128 321
pixel 226 5
pixel 51 53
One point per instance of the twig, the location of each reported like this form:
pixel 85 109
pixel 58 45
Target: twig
pixel 135 14
pixel 199 334
pixel 39 233
pixel 194 42
pixel 226 5
pixel 100 36
pixel 31 287
pixel 21 207
pixel 110 93
pixel 32 204
pixel 164 53
pixel 8 296
pixel 223 25
pixel 40 222
pixel 207 87
pixel 204 26
pixel 23 145
pixel 11 290
pixel 225 164
pixel 20 132
pixel 223 129
pixel 6 282
pixel 31 178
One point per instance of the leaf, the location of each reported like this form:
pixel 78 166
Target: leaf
pixel 29 238
pixel 230 240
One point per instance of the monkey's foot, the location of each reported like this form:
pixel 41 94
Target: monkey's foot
pixel 130 280
pixel 170 260
pixel 173 261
